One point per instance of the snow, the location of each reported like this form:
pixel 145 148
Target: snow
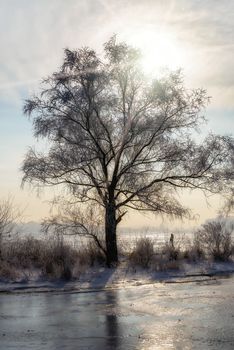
pixel 123 276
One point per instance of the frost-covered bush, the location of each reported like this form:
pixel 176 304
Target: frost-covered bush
pixel 162 263
pixel 7 271
pixel 53 258
pixel 90 254
pixel 9 214
pixel 143 253
pixel 25 252
pixel 171 252
pixel 216 239
pixel 194 252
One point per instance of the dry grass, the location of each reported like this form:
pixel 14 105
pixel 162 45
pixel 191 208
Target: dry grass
pixel 7 271
pixel 143 253
pixel 146 256
pixel 53 258
pixel 24 253
pixel 90 255
pixel 212 241
pixel 56 259
pixel 169 257
pixel 171 253
pixel 194 252
pixel 161 263
pixel 59 259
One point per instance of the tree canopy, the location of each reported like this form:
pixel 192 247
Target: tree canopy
pixel 122 140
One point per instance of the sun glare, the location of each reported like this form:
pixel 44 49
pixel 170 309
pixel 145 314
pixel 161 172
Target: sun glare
pixel 159 50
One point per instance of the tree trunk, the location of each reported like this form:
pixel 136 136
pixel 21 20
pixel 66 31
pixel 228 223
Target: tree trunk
pixel 110 233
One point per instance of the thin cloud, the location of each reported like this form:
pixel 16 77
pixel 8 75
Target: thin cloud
pixel 35 33
pixel 16 84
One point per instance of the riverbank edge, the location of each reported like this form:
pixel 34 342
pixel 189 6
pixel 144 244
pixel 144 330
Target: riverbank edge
pixel 101 279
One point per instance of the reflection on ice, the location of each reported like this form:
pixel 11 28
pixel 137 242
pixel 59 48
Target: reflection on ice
pixel 158 316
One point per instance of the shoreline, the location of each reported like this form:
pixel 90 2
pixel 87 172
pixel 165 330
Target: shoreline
pixel 103 279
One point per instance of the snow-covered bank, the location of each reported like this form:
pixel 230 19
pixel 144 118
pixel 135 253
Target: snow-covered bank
pixel 123 276
pixel 49 264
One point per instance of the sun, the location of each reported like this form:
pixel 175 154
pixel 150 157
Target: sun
pixel 160 49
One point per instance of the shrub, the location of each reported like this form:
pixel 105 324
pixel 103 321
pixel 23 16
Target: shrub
pixel 91 254
pixel 216 239
pixel 53 257
pixel 194 252
pixel 162 263
pixel 25 252
pixel 171 252
pixel 143 252
pixel 7 271
pixel 9 214
pixel 59 259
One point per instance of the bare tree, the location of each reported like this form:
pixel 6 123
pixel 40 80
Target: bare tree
pixel 73 221
pixel 8 216
pixel 120 140
pixel 228 207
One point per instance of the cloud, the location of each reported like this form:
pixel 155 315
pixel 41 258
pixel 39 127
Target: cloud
pixel 33 35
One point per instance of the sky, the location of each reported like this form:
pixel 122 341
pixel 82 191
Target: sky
pixel 196 35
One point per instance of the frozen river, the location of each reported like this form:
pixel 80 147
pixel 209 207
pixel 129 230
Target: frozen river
pixel 193 315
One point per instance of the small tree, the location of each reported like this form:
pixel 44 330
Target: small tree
pixel 120 140
pixel 8 215
pixel 216 238
pixel 228 208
